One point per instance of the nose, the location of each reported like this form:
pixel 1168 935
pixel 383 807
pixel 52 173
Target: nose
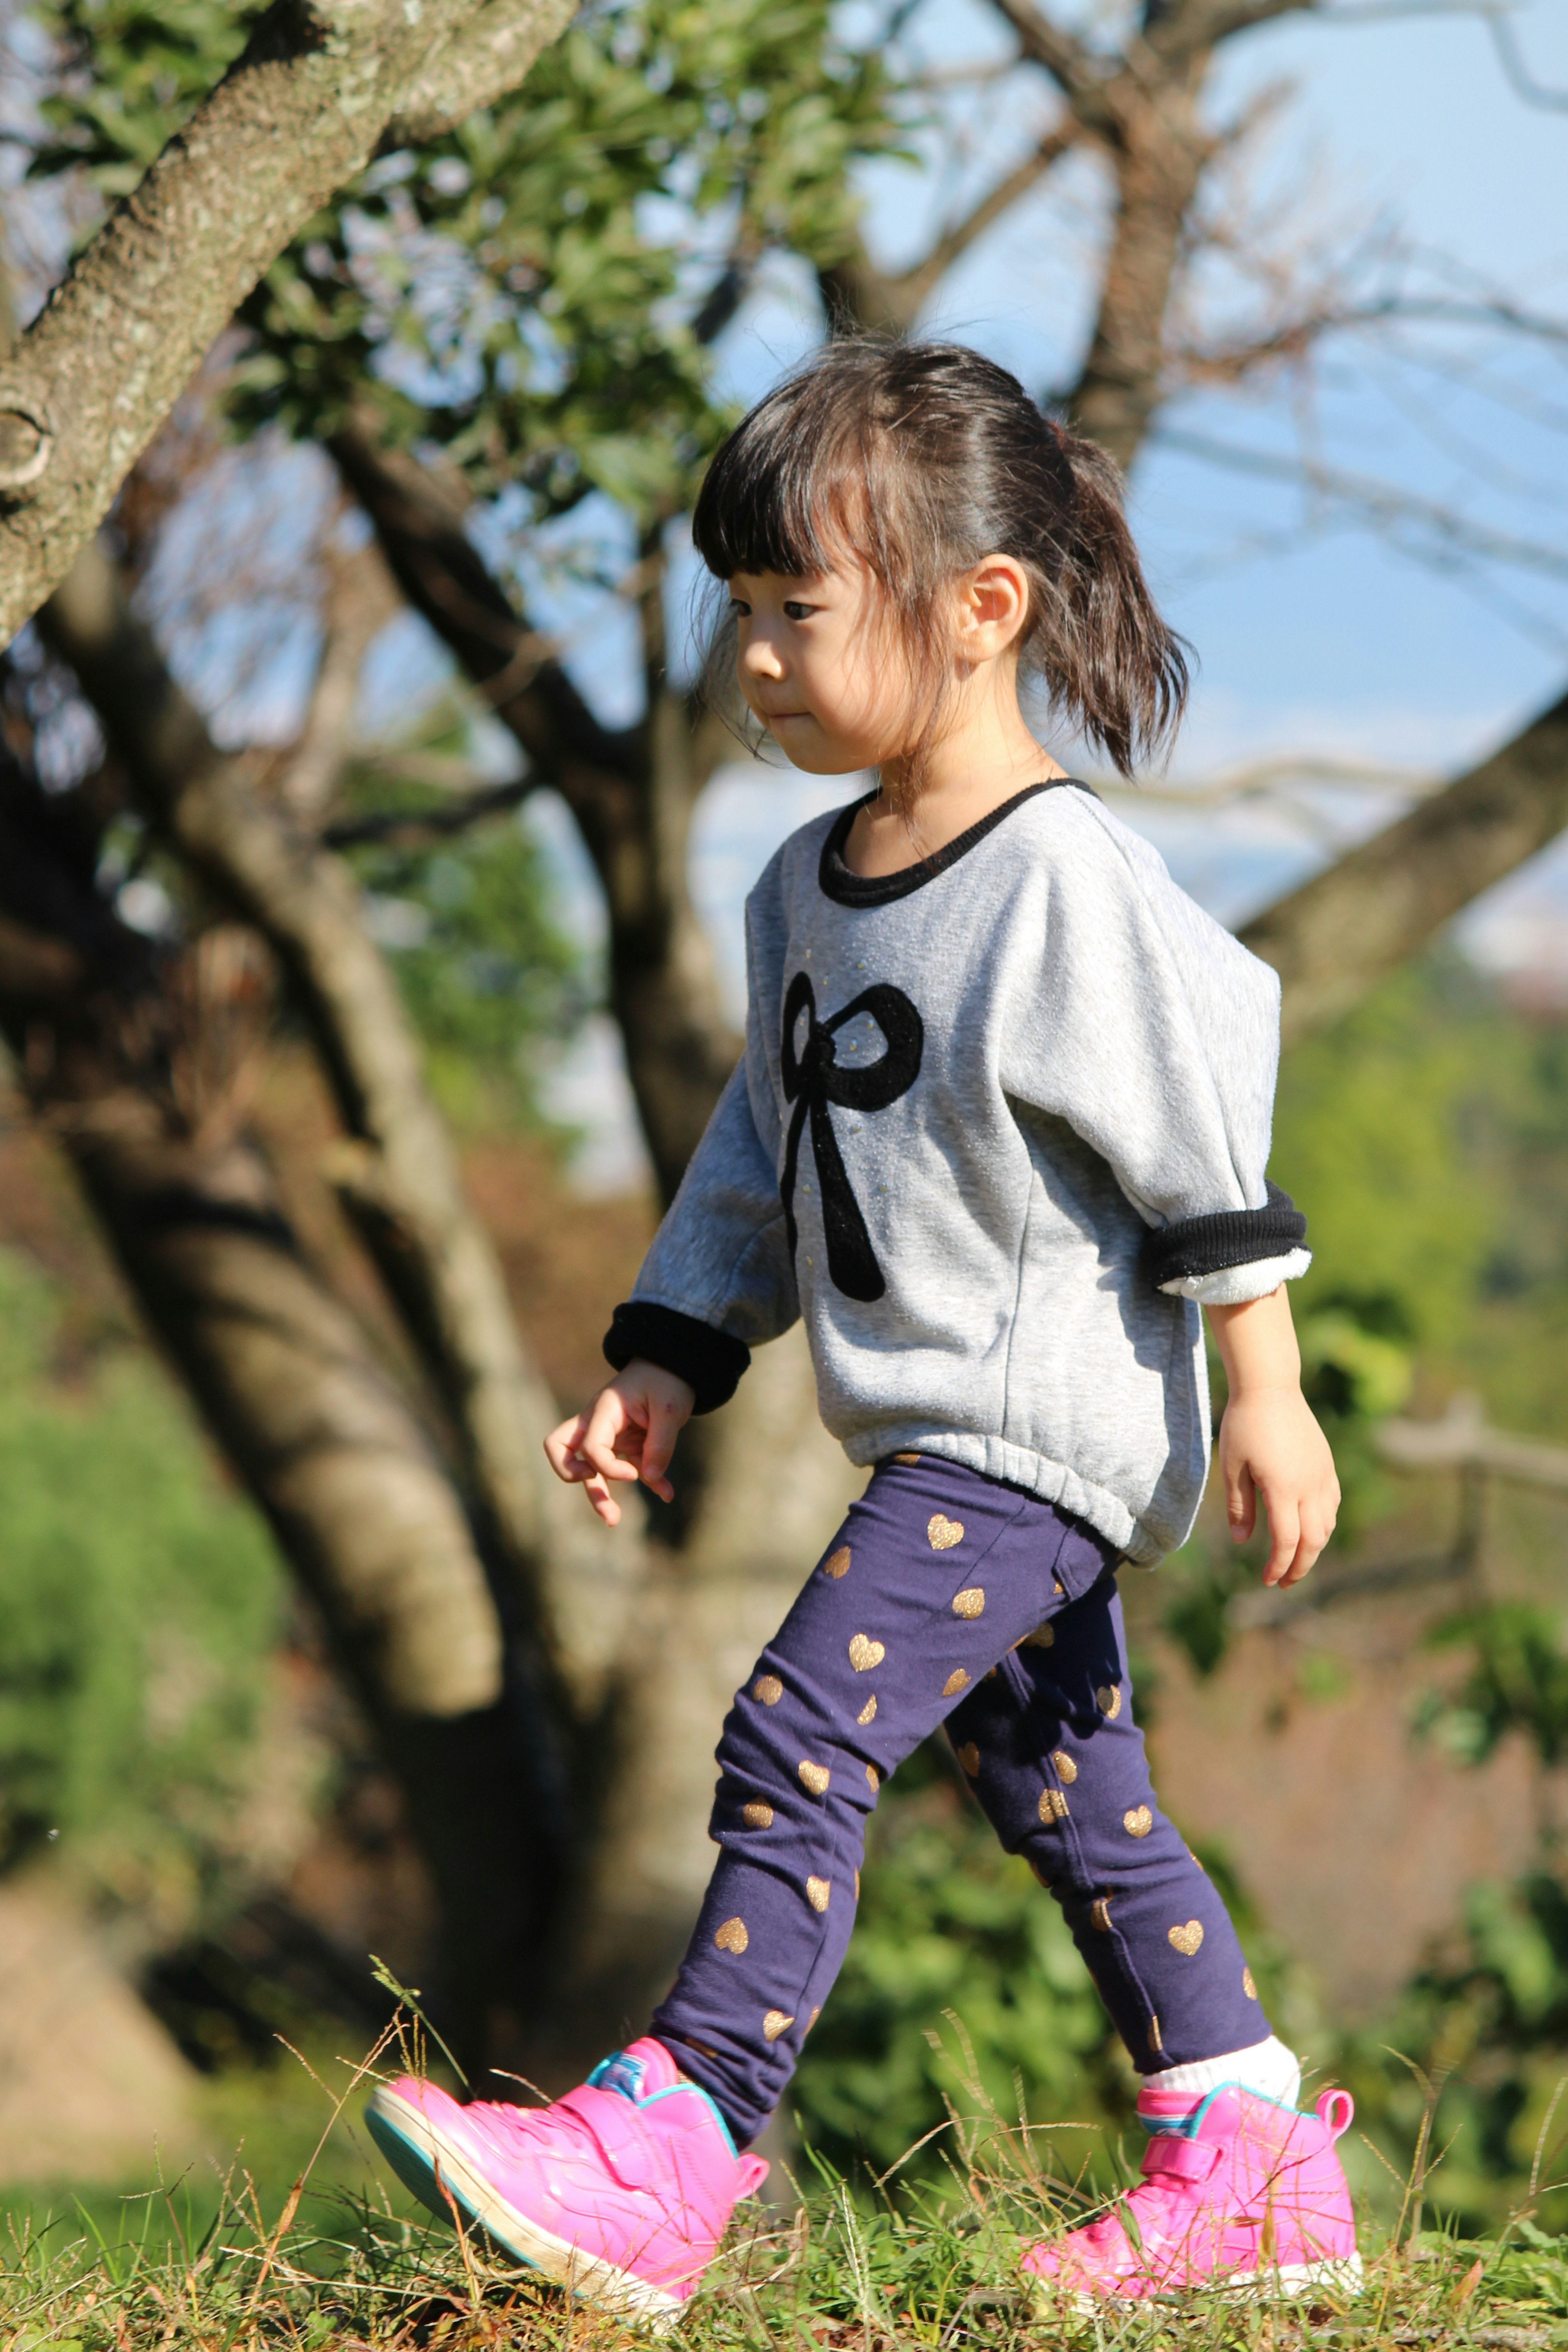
pixel 759 657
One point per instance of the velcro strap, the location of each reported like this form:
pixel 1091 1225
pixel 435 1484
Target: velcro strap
pixel 1188 2160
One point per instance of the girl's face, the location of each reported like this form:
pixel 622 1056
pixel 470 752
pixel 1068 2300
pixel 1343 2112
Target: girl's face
pixel 818 670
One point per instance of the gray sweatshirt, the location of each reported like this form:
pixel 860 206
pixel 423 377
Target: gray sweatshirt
pixel 1000 1126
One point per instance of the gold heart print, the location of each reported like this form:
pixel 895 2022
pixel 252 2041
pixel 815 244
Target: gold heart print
pixel 1188 1938
pixel 1042 1638
pixel 943 1534
pixel 1053 1805
pixel 1154 2040
pixel 758 1816
pixel 815 1776
pixel 1066 1769
pixel 768 1688
pixel 817 1891
pixel 838 1563
pixel 969 1756
pixel 873 1778
pixel 775 2024
pixel 1139 1822
pixel 1109 1700
pixel 970 1602
pixel 733 1936
pixel 868 1712
pixel 865 1654
pixel 1247 1984
pixel 958 1680
pixel 1100 1915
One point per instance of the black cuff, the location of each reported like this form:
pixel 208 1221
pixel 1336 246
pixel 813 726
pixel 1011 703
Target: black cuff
pixel 1200 1245
pixel 710 1361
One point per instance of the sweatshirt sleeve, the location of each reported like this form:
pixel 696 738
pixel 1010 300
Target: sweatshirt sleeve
pixel 719 1278
pixel 1155 1036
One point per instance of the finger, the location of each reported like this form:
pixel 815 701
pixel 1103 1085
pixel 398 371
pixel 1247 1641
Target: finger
pixel 665 1424
pixel 1285 1535
pixel 606 1428
pixel 561 1449
pixel 1240 1501
pixel 1314 1535
pixel 604 1502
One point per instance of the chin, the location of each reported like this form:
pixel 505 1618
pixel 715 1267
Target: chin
pixel 820 759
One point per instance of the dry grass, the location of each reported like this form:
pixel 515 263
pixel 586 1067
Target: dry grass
pixel 330 2271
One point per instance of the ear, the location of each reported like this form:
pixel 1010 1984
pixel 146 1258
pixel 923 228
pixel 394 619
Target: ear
pixel 993 606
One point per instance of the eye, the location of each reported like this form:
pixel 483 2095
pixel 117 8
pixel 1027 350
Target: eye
pixel 797 612
pixel 740 609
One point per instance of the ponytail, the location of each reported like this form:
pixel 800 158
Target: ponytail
pixel 923 459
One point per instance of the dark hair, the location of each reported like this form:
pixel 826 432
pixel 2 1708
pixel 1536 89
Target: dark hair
pixel 925 458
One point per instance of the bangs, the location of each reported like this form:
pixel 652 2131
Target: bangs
pixel 775 495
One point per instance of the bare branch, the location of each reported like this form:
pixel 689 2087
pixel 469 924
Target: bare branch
pixel 1331 941
pixel 361 599
pixel 424 830
pixel 857 290
pixel 92 379
pixel 1382 503
pixel 1510 57
pixel 1184 28
pixel 1073 68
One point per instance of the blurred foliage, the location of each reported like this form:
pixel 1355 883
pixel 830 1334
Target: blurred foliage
pixel 132 72
pixel 524 290
pixel 485 972
pixel 1515 1679
pixel 1481 2035
pixel 139 1604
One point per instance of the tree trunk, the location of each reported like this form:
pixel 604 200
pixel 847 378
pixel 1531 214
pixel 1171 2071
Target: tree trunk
pixel 288 1385
pixel 397 1174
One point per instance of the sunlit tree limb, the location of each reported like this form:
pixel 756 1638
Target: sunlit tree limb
pixel 303 109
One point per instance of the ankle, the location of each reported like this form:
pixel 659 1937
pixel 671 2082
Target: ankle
pixel 1267 2069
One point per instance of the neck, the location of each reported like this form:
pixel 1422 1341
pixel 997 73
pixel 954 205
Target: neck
pixel 979 761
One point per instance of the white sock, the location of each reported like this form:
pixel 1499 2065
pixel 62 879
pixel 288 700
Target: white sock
pixel 1268 2068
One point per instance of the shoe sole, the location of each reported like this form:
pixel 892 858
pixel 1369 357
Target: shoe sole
pixel 440 2176
pixel 1286 2283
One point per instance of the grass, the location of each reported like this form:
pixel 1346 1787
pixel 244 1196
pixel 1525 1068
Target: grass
pixel 334 2263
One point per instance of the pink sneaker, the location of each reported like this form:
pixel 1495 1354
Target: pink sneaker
pixel 1238 2193
pixel 621 2191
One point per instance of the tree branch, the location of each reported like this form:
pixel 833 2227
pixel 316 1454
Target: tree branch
pixel 1334 939
pixel 478 63
pixel 300 112
pixel 1383 503
pixel 431 825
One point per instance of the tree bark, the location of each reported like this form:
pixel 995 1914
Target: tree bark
pixel 397 1172
pixel 1334 939
pixel 291 1391
pixel 300 111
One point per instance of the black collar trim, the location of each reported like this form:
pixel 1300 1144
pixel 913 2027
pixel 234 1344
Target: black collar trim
pixel 839 881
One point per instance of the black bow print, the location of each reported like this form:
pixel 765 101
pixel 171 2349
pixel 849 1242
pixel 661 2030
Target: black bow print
pixel 816 1080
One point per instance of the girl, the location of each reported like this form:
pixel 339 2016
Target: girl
pixel 999 1133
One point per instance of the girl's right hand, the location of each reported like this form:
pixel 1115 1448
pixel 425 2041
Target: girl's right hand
pixel 627 1433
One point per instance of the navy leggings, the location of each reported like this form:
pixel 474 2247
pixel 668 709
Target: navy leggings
pixel 945 1596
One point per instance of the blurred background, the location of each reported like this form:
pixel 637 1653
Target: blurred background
pixel 370 901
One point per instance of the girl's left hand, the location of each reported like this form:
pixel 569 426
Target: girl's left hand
pixel 1270 1445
